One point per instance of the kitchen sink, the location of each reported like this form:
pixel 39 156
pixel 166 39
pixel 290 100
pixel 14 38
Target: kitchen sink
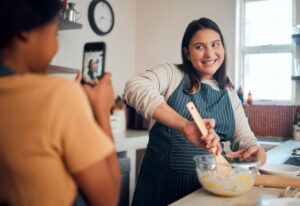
pixel 268 142
pixel 267 145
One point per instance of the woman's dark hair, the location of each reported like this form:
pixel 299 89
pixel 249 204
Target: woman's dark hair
pixel 24 15
pixel 186 66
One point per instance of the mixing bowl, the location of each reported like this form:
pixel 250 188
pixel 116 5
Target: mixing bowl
pixel 239 176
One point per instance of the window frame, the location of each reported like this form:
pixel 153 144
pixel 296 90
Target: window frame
pixel 243 50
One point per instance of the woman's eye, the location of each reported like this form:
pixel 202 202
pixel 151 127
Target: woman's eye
pixel 215 44
pixel 199 47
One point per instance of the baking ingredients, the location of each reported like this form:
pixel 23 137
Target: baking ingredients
pixel 233 185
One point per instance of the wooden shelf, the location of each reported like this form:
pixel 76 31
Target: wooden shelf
pixel 296 78
pixel 66 25
pixel 296 38
pixel 53 69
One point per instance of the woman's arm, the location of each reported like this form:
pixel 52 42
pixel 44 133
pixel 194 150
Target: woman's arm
pixel 146 91
pixel 169 117
pixel 101 181
pixel 244 141
pixel 148 94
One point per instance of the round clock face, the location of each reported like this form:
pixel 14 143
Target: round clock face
pixel 101 17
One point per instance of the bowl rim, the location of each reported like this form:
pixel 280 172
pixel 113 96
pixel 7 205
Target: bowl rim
pixel 256 163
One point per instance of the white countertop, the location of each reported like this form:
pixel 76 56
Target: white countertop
pixel 131 139
pixel 282 152
pixel 258 196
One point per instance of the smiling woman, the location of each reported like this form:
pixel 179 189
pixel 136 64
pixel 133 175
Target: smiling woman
pixel 163 92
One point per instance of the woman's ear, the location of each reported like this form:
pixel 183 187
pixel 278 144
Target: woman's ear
pixel 24 36
pixel 186 52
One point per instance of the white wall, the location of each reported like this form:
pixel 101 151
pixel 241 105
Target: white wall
pixel 120 43
pixel 161 24
pixel 146 33
pixel 149 32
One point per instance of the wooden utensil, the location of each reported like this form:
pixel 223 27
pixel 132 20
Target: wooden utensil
pixel 223 170
pixel 277 181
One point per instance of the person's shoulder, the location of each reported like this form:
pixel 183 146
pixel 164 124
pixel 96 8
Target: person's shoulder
pixel 168 68
pixel 56 81
pixel 230 90
pixel 163 66
pixel 54 84
pixel 233 96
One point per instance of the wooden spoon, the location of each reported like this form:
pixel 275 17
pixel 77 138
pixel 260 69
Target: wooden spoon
pixel 222 170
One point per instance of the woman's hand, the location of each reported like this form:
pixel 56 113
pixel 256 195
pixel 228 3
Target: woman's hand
pixel 193 134
pixel 78 77
pixel 101 96
pixel 254 152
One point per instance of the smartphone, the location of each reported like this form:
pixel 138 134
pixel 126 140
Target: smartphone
pixel 93 62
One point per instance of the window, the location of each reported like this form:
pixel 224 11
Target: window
pixel 266 49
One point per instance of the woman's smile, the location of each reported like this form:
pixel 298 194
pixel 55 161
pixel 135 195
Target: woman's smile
pixel 209 62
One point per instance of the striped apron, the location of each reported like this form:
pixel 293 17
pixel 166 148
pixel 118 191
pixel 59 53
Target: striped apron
pixel 167 172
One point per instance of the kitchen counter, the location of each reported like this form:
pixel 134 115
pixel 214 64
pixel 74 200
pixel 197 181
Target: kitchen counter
pixel 282 152
pixel 257 196
pixel 129 142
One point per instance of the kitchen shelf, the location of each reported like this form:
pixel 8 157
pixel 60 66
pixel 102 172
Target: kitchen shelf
pixel 53 69
pixel 66 25
pixel 296 78
pixel 296 38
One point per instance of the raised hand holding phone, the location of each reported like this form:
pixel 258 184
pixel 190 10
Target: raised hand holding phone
pixel 93 62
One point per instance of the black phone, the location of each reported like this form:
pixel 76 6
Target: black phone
pixel 93 62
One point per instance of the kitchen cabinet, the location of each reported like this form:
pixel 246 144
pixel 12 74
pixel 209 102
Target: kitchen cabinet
pixel 139 158
pixel 133 142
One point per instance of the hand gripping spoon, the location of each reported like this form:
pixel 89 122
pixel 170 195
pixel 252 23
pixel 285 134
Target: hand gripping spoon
pixel 223 170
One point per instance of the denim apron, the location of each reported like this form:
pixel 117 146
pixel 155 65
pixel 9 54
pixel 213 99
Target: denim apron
pixel 167 171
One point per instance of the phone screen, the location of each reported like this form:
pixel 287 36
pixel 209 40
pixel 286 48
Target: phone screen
pixel 93 62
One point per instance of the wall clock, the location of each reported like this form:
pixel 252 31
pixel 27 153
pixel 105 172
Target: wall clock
pixel 101 17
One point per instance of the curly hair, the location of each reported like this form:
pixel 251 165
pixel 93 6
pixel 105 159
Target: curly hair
pixel 24 15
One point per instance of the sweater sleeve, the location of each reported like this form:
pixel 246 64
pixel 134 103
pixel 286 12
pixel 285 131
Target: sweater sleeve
pixel 243 136
pixel 145 92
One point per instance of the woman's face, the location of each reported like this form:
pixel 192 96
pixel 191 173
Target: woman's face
pixel 44 45
pixel 206 52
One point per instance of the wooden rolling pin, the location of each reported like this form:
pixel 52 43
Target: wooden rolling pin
pixel 277 181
